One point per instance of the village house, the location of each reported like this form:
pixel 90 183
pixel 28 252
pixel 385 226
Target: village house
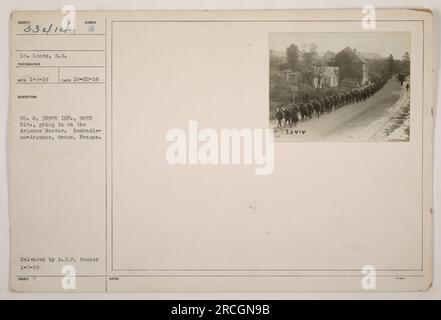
pixel 353 66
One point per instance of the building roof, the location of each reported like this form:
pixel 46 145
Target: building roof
pixel 356 56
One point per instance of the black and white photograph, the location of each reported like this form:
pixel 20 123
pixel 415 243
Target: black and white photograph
pixel 337 87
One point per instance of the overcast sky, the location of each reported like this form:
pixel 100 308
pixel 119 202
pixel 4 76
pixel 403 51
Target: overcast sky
pixel 383 43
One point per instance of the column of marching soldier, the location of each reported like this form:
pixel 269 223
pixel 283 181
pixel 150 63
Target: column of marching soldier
pixel 289 115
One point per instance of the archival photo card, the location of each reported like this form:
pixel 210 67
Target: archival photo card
pixel 220 151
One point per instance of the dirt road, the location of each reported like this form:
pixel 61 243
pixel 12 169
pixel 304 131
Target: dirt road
pixel 354 122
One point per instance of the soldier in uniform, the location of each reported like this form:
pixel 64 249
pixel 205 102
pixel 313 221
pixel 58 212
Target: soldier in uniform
pixel 279 117
pixel 287 115
pixel 316 105
pixel 303 111
pixel 309 110
pixel 294 115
